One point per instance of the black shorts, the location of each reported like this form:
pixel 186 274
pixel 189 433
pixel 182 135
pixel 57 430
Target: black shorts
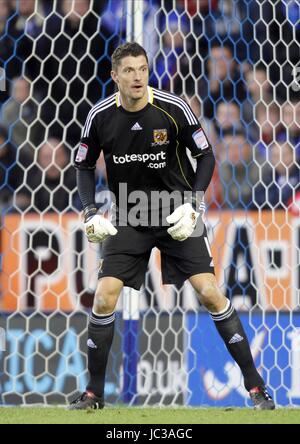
pixel 126 256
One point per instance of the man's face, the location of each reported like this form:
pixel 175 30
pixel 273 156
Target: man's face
pixel 26 7
pixel 237 149
pixel 257 82
pixel 220 63
pixel 20 90
pixel 291 118
pixel 132 76
pixel 4 10
pixel 228 114
pixel 282 157
pixel 76 9
pixel 52 158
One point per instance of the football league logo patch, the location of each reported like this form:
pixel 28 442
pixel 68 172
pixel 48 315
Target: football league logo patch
pixel 200 139
pixel 82 152
pixel 160 136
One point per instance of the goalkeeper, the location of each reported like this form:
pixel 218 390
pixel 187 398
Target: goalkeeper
pixel 143 133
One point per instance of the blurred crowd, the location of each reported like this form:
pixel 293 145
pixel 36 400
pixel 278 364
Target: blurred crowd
pixel 232 61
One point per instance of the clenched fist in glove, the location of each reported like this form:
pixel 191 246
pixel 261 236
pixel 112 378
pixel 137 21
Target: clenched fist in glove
pixel 185 220
pixel 96 227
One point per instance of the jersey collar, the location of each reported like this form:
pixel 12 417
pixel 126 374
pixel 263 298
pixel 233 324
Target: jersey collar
pixel 150 96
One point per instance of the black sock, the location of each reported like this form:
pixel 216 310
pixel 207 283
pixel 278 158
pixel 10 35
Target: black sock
pixel 233 334
pixel 100 337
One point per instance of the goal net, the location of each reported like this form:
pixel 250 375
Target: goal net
pixel 236 63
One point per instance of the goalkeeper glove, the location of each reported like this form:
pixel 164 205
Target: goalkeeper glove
pixel 96 227
pixel 185 220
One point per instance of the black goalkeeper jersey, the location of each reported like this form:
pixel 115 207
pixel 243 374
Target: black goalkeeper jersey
pixel 146 150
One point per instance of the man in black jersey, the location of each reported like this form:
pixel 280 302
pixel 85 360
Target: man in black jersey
pixel 143 133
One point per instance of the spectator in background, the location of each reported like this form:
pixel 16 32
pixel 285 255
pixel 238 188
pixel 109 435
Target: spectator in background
pixel 280 181
pixel 19 112
pixel 227 19
pixel 6 43
pixel 78 43
pixel 49 185
pixel 258 84
pixel 74 10
pixel 5 13
pixel 223 80
pixel 238 173
pixel 228 116
pixel 286 38
pixel 277 39
pixel 171 66
pixel 211 18
pixel 268 120
pixel 24 28
pixel 27 20
pixel 260 93
pixel 113 18
pixel 10 176
pixel 291 123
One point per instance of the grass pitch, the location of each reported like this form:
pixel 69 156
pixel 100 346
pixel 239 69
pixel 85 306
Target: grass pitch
pixel 135 415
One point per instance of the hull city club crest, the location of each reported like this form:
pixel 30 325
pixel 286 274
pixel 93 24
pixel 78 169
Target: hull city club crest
pixel 160 136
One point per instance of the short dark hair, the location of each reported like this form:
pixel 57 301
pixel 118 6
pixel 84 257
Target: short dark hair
pixel 128 49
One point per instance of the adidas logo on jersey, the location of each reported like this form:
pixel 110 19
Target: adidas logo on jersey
pixel 236 338
pixel 136 127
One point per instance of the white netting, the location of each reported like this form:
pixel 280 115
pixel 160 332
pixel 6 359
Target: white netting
pixel 236 63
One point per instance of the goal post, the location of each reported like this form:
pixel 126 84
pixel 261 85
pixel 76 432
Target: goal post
pixel 134 32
